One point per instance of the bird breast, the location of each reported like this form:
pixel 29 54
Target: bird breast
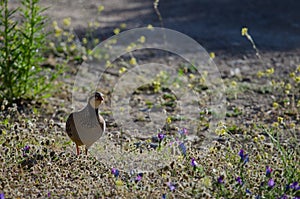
pixel 88 127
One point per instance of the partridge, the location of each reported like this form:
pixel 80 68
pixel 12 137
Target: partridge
pixel 86 126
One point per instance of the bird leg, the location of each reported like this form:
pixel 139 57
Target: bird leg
pixel 77 149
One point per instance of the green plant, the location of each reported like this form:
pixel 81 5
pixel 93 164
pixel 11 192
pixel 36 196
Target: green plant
pixel 21 47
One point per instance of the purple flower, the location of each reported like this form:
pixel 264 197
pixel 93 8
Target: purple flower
pixel 115 172
pixel 25 150
pixel 194 163
pixel 239 180
pixel 160 136
pixel 241 153
pixel 221 179
pixel 248 191
pixel 139 177
pixel 244 157
pixel 171 186
pixel 287 187
pixel 164 196
pixel 49 194
pixel 271 183
pixel 183 132
pixel 268 171
pixel 182 148
pixel 283 197
pixel 295 186
pixel 2 196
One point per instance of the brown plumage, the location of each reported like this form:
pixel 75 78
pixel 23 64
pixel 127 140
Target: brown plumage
pixel 86 126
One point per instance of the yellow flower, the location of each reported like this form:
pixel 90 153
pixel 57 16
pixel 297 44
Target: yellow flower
pixel 96 24
pixel 212 55
pixel 229 165
pixel 150 27
pixel 244 31
pixel 220 131
pixel 119 183
pixel 292 74
pixel 100 8
pixel 89 51
pixel 108 63
pixel 65 33
pixel 202 80
pixel 192 76
pixel 67 21
pixel 288 86
pixel 180 157
pixel 123 25
pixel 169 120
pixel 73 47
pixel 129 48
pixel 212 150
pixel 156 85
pixel 260 74
pixel 266 155
pixel 270 71
pixel 132 61
pixel 142 39
pixel 233 83
pixel 275 124
pixel 292 125
pixel 54 24
pixel 273 82
pixel 122 70
pixel 255 139
pixel 96 41
pixel 298 104
pixel 262 137
pixel 281 83
pixel 297 79
pixel 117 31
pixel 90 24
pixel 84 40
pixel 206 181
pixel 275 104
pixel 258 157
pixel 280 120
pixel 51 44
pixel 58 32
pixel 70 37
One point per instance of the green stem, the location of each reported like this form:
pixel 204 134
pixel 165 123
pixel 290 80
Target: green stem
pixel 7 73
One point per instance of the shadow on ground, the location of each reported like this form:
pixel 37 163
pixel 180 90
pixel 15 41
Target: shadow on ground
pixel 274 24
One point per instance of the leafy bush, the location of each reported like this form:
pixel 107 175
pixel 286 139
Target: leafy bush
pixel 22 42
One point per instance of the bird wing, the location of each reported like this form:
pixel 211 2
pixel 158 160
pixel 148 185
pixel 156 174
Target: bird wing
pixel 72 131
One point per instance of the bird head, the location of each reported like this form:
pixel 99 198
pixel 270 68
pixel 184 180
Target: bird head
pixel 96 99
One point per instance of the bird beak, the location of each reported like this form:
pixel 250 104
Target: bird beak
pixel 102 97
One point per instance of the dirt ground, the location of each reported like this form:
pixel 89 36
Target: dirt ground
pixel 216 25
pixel 274 24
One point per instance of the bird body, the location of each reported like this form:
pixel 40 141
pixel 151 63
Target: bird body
pixel 86 126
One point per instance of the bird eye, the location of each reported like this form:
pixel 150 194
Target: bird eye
pixel 98 96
